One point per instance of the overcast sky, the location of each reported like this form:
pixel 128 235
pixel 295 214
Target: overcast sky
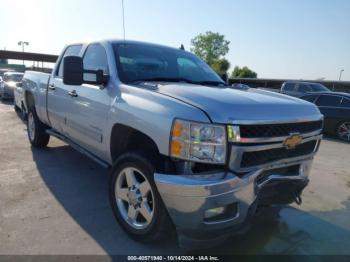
pixel 302 39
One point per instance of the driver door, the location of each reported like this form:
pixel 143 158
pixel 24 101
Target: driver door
pixel 87 119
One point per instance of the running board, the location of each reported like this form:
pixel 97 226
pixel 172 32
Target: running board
pixel 52 132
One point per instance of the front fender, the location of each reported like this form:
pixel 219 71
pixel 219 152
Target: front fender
pixel 152 114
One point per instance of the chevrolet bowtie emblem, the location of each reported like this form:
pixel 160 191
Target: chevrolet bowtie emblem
pixel 292 141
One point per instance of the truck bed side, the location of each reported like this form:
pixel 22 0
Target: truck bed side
pixel 36 83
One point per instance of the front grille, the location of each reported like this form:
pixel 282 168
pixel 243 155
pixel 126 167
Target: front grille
pixel 256 158
pixel 278 130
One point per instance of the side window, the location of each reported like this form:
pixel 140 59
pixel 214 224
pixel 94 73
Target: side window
pixel 95 58
pixel 328 100
pixel 345 103
pixel 304 88
pixel 70 50
pixel 288 87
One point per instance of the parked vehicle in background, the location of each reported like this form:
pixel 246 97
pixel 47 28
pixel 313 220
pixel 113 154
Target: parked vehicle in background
pixel 240 86
pixel 186 151
pixel 19 100
pixel 10 80
pixel 270 89
pixel 4 70
pixel 298 89
pixel 335 107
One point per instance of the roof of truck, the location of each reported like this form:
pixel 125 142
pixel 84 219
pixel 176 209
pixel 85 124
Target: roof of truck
pixel 121 41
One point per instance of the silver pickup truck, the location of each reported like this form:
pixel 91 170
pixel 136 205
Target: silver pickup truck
pixel 186 152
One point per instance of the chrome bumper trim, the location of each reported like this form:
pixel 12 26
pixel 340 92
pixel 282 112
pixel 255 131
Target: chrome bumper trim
pixel 277 121
pixel 276 139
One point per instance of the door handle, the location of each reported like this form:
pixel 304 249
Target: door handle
pixel 73 93
pixel 52 87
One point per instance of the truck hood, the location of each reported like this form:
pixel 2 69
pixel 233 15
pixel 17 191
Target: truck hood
pixel 227 105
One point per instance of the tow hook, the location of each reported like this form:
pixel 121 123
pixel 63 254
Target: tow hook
pixel 297 198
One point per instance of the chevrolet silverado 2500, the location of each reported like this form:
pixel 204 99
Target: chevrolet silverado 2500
pixel 186 151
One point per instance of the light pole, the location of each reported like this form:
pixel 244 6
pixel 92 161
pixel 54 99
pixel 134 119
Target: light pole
pixel 23 43
pixel 341 72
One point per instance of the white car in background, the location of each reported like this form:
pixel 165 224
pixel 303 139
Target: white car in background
pixel 10 81
pixel 19 100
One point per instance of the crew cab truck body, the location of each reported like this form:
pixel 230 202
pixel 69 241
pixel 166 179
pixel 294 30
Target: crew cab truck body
pixel 185 150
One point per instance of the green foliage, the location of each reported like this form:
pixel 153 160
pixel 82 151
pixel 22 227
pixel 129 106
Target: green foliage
pixel 221 66
pixel 211 47
pixel 243 72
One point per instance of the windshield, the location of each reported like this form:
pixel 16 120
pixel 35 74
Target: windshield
pixel 319 88
pixel 13 77
pixel 138 62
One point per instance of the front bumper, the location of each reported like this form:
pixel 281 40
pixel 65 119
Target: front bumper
pixel 188 197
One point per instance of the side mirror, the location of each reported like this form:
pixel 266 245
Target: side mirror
pixel 73 70
pixel 224 77
pixel 95 77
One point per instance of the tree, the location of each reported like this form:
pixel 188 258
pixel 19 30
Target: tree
pixel 243 72
pixel 211 47
pixel 221 66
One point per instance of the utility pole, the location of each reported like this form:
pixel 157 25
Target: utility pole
pixel 341 72
pixel 23 43
pixel 123 19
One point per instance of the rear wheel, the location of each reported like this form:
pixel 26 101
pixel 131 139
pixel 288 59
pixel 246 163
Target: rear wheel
pixel 135 200
pixel 36 130
pixel 343 131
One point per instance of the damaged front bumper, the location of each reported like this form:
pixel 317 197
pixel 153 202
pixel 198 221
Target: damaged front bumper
pixel 206 209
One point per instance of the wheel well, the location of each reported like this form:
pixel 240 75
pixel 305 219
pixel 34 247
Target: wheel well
pixel 124 139
pixel 29 100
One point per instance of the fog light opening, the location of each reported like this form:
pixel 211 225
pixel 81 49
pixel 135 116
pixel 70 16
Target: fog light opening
pixel 221 213
pixel 213 212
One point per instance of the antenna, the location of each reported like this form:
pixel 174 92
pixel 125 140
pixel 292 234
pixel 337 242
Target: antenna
pixel 123 19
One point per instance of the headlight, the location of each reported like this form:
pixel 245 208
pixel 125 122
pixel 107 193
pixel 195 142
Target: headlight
pixel 198 142
pixel 11 84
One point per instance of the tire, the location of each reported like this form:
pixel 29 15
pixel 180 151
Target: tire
pixel 158 225
pixel 36 130
pixel 343 131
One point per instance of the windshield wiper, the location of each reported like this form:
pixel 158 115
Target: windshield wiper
pixel 162 79
pixel 178 80
pixel 214 83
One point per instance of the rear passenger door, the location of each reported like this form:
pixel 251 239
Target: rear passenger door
pixel 87 118
pixel 329 106
pixel 310 98
pixel 58 102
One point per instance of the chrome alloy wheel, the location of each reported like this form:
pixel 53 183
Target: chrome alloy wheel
pixel 31 126
pixel 135 198
pixel 344 131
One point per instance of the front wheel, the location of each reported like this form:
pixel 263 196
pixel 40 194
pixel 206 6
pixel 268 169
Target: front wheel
pixel 36 130
pixel 343 131
pixel 135 200
pixel 23 112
